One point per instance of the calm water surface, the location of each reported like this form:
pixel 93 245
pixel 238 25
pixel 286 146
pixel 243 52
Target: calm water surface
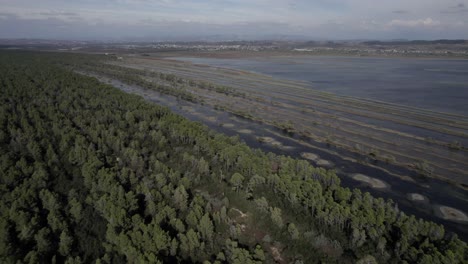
pixel 433 84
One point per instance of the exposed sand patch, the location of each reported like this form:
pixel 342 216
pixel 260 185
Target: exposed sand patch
pixel 245 131
pixel 287 147
pixel 309 156
pixel 228 125
pixel 211 118
pixel 270 141
pixel 407 178
pixel 266 139
pixel 188 109
pixel 243 227
pixel 451 214
pixel 242 214
pixel 374 183
pixel 276 143
pixel 324 163
pixel 276 254
pixel 416 197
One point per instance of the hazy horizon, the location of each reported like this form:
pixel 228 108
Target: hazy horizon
pixel 160 20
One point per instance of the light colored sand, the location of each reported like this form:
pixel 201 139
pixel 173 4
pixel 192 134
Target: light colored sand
pixel 450 213
pixel 417 197
pixel 211 118
pixel 266 139
pixel 228 125
pixel 287 147
pixel 324 163
pixel 309 156
pixel 407 178
pixel 374 183
pixel 276 143
pixel 245 131
pixel 270 141
pixel 188 109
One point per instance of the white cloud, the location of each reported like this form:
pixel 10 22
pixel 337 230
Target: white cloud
pixel 428 22
pixel 312 18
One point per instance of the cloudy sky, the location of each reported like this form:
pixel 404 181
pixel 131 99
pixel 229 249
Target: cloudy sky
pixel 165 19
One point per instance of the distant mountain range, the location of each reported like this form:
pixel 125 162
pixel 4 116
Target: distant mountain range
pixel 219 39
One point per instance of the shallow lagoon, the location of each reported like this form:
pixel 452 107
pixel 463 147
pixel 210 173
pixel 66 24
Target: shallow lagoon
pixel 433 84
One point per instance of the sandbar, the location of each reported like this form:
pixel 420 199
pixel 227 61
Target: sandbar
pixel 276 143
pixel 228 125
pixel 374 183
pixel 416 197
pixel 450 213
pixel 287 147
pixel 309 156
pixel 324 163
pixel 245 131
pixel 270 141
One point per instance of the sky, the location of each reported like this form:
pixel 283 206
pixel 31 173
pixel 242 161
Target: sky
pixel 161 20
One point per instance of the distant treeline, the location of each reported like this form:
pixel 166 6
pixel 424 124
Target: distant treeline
pixel 90 174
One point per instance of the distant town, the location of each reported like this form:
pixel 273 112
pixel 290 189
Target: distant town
pixel 436 48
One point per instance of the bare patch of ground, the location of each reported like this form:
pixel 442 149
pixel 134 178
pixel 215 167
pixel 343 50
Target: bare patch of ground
pixel 242 214
pixel 276 254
